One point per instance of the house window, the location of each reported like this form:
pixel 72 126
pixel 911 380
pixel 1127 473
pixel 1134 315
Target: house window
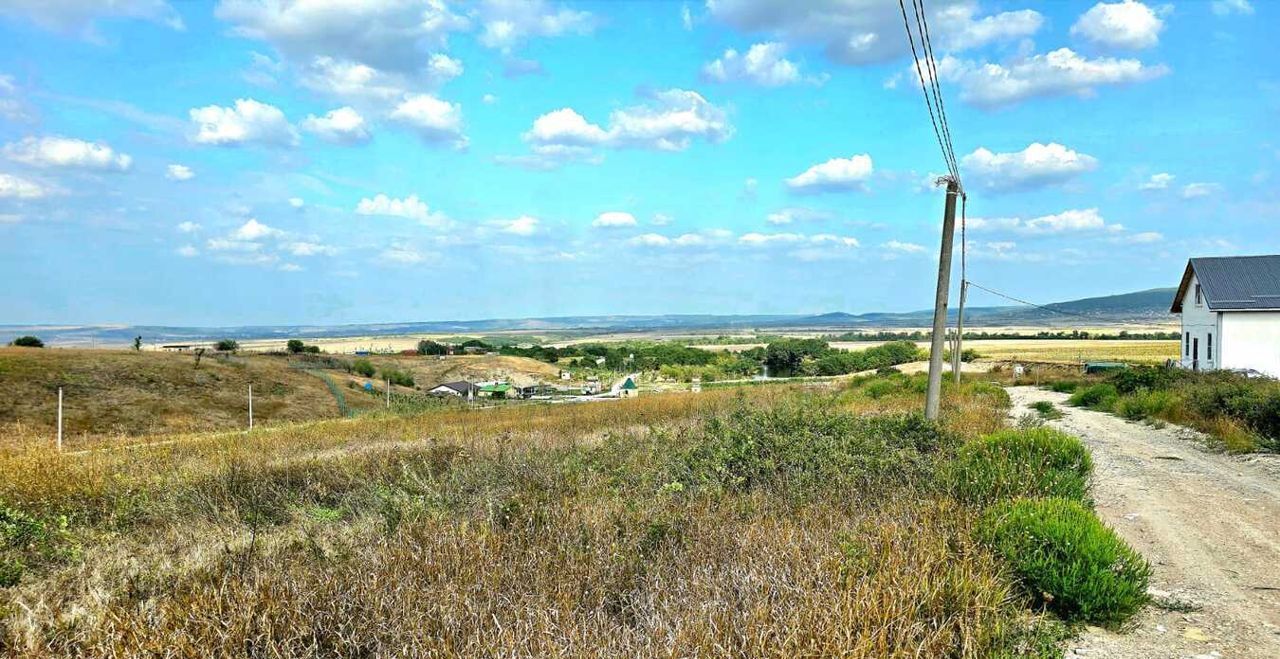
pixel 1209 347
pixel 1198 298
pixel 1186 348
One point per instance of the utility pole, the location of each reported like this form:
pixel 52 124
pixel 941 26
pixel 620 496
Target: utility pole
pixel 59 419
pixel 957 360
pixel 933 397
pixel 251 407
pixel 388 392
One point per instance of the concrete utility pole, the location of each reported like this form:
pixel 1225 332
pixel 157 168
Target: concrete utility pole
pixel 933 397
pixel 957 360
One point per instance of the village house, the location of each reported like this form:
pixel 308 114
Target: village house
pixel 462 389
pixel 1230 311
pixel 627 388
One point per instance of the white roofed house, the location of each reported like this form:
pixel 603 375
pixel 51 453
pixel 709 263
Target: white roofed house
pixel 1230 310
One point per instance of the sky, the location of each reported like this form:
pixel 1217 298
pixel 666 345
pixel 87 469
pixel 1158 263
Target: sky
pixel 328 161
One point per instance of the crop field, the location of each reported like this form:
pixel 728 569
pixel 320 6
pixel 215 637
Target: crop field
pixel 767 521
pixel 1062 351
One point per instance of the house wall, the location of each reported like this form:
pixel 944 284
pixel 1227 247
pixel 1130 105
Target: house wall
pixel 1200 322
pixel 1251 340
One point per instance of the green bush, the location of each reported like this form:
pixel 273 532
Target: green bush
pixel 1254 403
pixel 1064 386
pixel 227 345
pixel 1153 378
pixel 363 367
pixel 1145 404
pixel 1021 463
pixel 398 377
pixel 1067 559
pixel 295 346
pixel 27 342
pixel 1046 410
pixel 1096 397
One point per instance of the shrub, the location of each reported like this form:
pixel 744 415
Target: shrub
pixel 426 347
pixel 1145 404
pixel 295 346
pixel 1097 397
pixel 1144 377
pixel 227 345
pixel 1255 404
pixel 1064 386
pixel 1046 410
pixel 398 377
pixel 1021 463
pixel 363 367
pixel 27 342
pixel 1067 559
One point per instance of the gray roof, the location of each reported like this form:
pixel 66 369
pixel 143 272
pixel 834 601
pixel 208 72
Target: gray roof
pixel 461 386
pixel 1234 282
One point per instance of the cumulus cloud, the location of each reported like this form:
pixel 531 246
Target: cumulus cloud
pixel 80 17
pixel 434 120
pixel 55 151
pixel 248 121
pixel 297 202
pixel 835 175
pixel 402 254
pixel 304 248
pixel 505 24
pixel 351 81
pixel 613 220
pixel 1036 166
pixel 798 214
pixel 340 126
pixel 391 35
pixel 525 225
pixel 869 31
pixel 1143 238
pixel 179 173
pixel 1159 181
pixel 1228 7
pixel 1126 24
pixel 409 207
pixel 188 227
pixel 1062 72
pixel 763 64
pixel 1068 221
pixel 903 247
pixel 16 187
pixel 1196 190
pixel 254 230
pixel 670 121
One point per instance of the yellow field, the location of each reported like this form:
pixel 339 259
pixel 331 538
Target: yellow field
pixel 1063 351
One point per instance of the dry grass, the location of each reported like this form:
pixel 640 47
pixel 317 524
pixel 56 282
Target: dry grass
pixel 559 530
pixel 1068 351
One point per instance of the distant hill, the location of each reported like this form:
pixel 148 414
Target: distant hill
pixel 1143 307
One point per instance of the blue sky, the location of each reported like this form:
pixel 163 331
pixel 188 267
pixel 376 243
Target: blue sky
pixel 322 162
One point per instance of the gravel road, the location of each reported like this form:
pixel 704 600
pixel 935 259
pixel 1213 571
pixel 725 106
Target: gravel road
pixel 1209 523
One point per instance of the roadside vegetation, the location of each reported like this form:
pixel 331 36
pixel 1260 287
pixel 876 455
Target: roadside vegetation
pixel 758 521
pixel 1241 413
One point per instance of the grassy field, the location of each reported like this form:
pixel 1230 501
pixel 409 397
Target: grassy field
pixel 118 393
pixel 1062 351
pixel 766 521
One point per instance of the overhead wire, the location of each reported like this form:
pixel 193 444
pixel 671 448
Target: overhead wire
pixel 922 21
pixel 1031 304
pixel 937 131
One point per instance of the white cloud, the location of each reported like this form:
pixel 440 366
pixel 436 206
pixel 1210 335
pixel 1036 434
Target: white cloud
pixel 1144 238
pixel 16 187
pixel 1058 73
pixel 670 121
pixel 1036 166
pixel 1068 221
pixel 1196 190
pixel 80 16
pixel 1159 181
pixel 179 173
pixel 868 31
pixel 903 247
pixel 661 220
pixel 759 239
pixel 797 214
pixel 187 251
pixel 763 64
pixel 232 245
pixel 351 80
pixel 389 34
pixel 297 202
pixel 410 208
pixel 750 187
pixel 310 249
pixel 441 67
pixel 614 219
pixel 837 174
pixel 1125 24
pixel 249 121
pixel 254 230
pixel 188 227
pixel 650 240
pixel 489 99
pixel 686 17
pixel 434 120
pixel 525 225
pixel 505 24
pixel 57 151
pixel 291 267
pixel 340 126
pixel 1228 7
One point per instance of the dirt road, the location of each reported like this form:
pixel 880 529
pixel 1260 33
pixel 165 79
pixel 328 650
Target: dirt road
pixel 1209 524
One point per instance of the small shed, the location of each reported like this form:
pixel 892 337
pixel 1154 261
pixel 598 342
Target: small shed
pixel 628 388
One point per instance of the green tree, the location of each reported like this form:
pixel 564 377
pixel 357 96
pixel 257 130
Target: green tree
pixel 137 344
pixel 426 347
pixel 363 367
pixel 295 346
pixel 27 342
pixel 226 345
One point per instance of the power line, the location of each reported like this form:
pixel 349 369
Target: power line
pixel 922 21
pixel 928 102
pixel 1031 304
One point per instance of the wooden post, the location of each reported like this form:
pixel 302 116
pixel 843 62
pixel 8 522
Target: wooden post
pixel 59 419
pixel 933 395
pixel 250 407
pixel 388 392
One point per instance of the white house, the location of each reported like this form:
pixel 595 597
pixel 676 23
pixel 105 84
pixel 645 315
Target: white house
pixel 1230 309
